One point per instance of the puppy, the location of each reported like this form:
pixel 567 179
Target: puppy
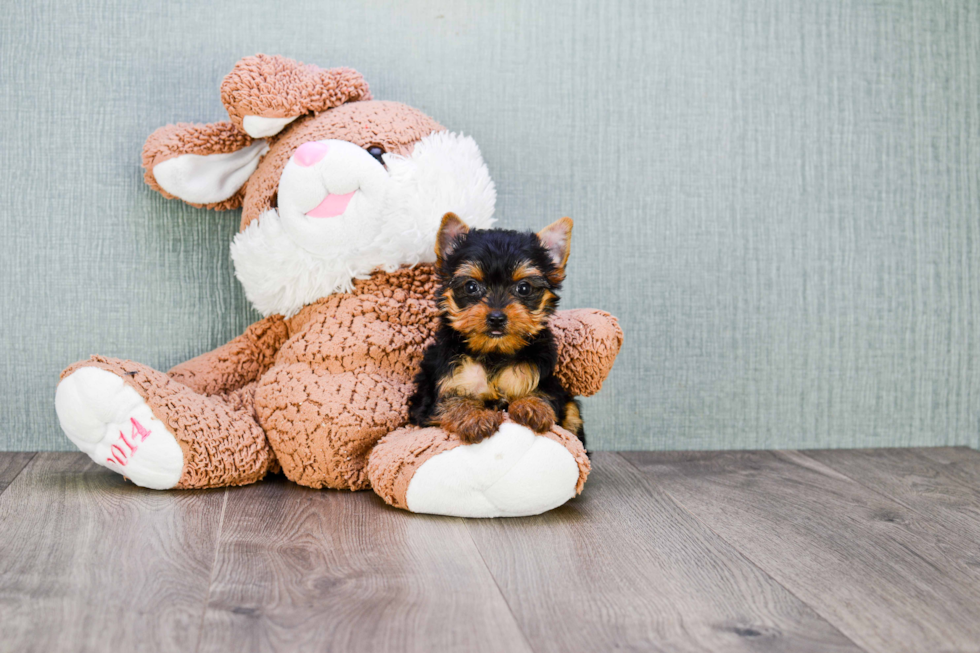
pixel 493 350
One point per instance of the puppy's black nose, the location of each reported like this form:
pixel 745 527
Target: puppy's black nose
pixel 496 320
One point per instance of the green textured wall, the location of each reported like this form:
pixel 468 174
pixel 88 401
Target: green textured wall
pixel 781 200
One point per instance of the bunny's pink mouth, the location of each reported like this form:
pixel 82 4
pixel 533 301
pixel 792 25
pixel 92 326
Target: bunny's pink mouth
pixel 331 206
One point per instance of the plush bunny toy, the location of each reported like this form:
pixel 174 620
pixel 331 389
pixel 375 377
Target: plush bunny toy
pixel 341 200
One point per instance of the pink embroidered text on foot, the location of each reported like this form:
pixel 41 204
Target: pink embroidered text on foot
pixel 119 455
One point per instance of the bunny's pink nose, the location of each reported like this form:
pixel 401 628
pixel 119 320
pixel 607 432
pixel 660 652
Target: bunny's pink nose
pixel 309 153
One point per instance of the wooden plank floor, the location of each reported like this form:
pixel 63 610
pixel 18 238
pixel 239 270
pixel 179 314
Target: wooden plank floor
pixel 871 550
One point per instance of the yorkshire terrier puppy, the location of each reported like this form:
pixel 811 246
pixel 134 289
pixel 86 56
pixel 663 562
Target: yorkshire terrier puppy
pixel 493 350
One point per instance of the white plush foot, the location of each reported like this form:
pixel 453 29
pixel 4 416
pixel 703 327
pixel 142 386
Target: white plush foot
pixel 511 474
pixel 111 422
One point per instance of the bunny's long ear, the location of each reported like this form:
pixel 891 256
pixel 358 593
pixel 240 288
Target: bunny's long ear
pixel 203 165
pixel 208 165
pixel 265 93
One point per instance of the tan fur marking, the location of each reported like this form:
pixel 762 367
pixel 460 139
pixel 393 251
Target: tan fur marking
pixel 448 304
pixel 525 270
pixel 557 276
pixel 573 418
pixel 470 321
pixel 468 379
pixel 516 381
pixel 470 270
pixel 507 344
pixel 547 299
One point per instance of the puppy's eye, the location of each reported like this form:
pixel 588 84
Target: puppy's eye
pixel 472 288
pixel 377 152
pixel 523 289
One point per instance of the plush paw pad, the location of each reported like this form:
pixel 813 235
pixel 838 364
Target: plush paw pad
pixel 513 473
pixel 111 422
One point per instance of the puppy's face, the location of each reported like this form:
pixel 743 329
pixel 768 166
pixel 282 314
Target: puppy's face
pixel 499 287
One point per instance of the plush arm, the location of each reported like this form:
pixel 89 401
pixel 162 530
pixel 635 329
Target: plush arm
pixel 236 363
pixel 265 92
pixel 588 341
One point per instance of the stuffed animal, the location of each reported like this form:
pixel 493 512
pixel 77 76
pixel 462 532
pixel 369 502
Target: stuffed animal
pixel 341 199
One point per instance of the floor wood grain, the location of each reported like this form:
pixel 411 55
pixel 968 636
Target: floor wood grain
pixel 90 562
pixel 624 568
pixel 308 570
pixel 873 550
pixel 11 463
pixel 888 577
pixel 919 483
pixel 960 463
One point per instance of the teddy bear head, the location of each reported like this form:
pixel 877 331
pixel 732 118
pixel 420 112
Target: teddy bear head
pixel 333 185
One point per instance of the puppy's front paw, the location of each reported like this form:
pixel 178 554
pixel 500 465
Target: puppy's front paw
pixel 479 424
pixel 471 422
pixel 533 412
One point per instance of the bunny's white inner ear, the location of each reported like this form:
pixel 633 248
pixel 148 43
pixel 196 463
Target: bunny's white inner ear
pixel 209 179
pixel 259 127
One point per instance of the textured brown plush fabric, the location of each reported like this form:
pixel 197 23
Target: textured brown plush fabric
pixel 342 379
pixel 277 87
pixel 588 341
pixel 241 361
pixel 186 138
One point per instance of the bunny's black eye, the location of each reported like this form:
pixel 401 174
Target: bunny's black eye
pixel 471 287
pixel 523 289
pixel 377 152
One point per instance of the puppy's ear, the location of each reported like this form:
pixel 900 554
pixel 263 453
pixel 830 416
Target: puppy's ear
pixel 451 231
pixel 556 238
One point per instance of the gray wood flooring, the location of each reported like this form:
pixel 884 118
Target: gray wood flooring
pixel 866 550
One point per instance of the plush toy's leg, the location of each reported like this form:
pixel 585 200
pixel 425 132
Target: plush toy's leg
pixel 513 473
pixel 158 432
pixel 323 426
